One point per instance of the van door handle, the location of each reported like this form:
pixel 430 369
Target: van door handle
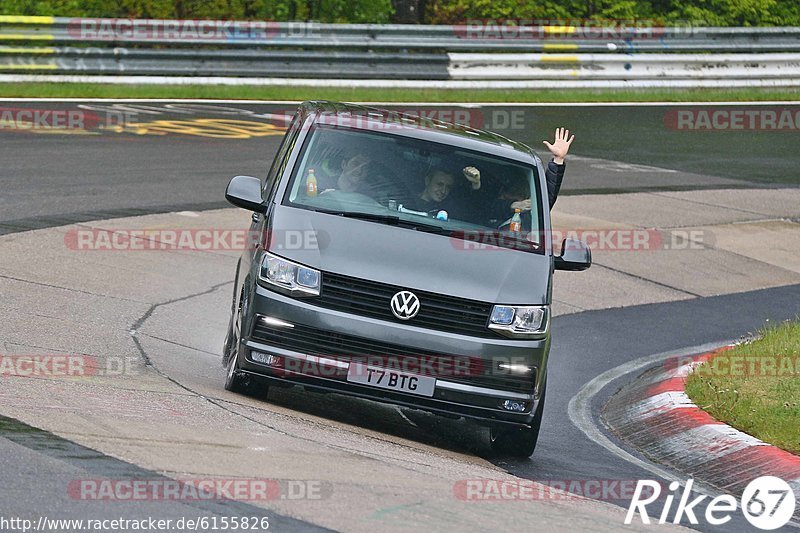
pixel 255 217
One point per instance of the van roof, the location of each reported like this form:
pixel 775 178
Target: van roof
pixel 428 128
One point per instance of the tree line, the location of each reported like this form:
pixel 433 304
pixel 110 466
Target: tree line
pixel 665 12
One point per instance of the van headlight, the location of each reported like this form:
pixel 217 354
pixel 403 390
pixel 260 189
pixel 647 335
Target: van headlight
pixel 520 321
pixel 289 276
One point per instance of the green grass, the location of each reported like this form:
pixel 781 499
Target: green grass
pixel 761 404
pixel 88 90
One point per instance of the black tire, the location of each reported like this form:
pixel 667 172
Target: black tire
pixel 235 381
pixel 226 346
pixel 518 442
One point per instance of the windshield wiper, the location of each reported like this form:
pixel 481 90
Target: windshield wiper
pixel 392 220
pixel 388 219
pixel 428 228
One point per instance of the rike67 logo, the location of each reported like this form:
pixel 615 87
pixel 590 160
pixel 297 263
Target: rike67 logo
pixel 767 502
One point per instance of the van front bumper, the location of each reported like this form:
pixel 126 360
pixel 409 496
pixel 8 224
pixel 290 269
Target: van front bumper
pixel 315 347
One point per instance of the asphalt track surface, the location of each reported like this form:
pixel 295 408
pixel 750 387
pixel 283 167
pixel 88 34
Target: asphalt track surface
pixel 137 158
pixel 35 462
pixel 50 179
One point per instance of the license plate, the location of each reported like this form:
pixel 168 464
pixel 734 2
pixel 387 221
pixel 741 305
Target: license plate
pixel 383 378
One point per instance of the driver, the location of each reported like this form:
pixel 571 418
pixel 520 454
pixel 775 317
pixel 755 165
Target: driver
pixel 351 176
pixel 363 174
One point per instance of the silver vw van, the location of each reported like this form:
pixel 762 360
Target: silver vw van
pixel 391 265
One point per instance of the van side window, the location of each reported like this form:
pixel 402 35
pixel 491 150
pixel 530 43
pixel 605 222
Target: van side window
pixel 279 163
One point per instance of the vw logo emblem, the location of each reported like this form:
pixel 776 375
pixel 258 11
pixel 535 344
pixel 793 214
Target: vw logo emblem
pixel 405 305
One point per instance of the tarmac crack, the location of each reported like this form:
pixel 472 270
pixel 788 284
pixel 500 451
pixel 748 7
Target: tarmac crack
pixel 219 402
pixel 54 350
pixel 731 223
pixel 698 202
pixel 21 225
pixel 570 304
pixel 70 289
pixel 706 246
pixel 179 344
pixel 642 278
pixel 138 324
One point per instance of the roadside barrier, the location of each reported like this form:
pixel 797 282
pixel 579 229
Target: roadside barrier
pixel 530 55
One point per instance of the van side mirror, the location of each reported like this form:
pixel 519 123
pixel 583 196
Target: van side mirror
pixel 575 255
pixel 245 192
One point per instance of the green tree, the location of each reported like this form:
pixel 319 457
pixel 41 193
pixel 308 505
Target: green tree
pixel 723 12
pixel 697 12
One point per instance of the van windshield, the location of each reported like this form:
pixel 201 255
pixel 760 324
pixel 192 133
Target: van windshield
pixel 418 184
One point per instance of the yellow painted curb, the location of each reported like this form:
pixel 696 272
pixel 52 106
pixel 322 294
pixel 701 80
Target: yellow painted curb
pixel 559 59
pixel 561 47
pixel 23 19
pixel 47 66
pixel 559 29
pixel 29 50
pixel 26 37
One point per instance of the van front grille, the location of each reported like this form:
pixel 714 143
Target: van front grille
pixel 372 299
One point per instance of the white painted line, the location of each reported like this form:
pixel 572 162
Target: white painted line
pixel 702 444
pixel 683 371
pixel 795 484
pixel 619 166
pixel 404 84
pixel 580 414
pixel 734 433
pixel 658 404
pixel 398 103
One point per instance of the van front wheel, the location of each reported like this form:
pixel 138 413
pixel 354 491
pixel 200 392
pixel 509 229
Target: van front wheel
pixel 518 442
pixel 235 381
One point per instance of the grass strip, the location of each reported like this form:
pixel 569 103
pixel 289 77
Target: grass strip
pixel 755 387
pixel 245 92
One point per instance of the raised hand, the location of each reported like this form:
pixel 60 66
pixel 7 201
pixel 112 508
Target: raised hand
pixel 560 145
pixel 473 175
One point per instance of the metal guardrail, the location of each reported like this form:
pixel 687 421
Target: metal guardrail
pixel 615 67
pixel 62 30
pixel 244 63
pixel 54 45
